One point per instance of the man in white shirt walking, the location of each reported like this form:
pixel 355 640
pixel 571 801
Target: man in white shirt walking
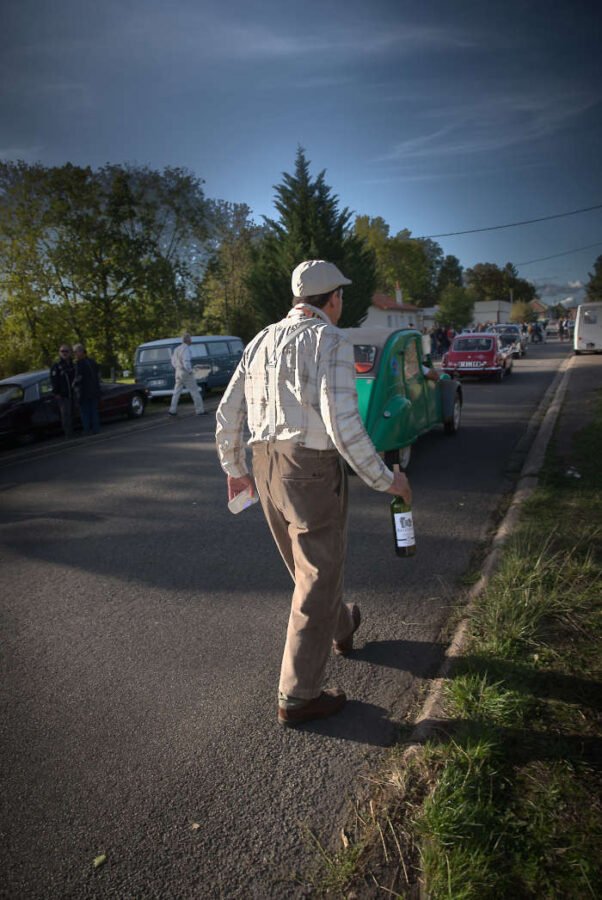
pixel 181 360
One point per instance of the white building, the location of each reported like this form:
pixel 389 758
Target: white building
pixel 494 311
pixel 392 312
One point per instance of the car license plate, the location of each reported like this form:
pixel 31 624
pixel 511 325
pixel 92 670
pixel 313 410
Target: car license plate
pixel 471 364
pixel 156 382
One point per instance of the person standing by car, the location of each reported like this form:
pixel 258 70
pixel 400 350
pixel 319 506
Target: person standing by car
pixel 295 388
pixel 87 389
pixel 181 360
pixel 62 374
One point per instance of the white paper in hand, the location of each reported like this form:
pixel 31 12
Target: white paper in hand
pixel 242 501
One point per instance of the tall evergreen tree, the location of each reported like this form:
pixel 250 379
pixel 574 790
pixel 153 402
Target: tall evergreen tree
pixel 593 288
pixel 310 226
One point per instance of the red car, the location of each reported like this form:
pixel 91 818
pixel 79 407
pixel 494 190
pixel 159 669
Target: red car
pixel 478 354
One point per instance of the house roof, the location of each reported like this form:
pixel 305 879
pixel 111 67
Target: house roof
pixel 383 301
pixel 538 306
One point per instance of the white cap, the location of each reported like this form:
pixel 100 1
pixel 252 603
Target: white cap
pixel 316 276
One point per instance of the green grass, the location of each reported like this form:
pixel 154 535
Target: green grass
pixel 506 802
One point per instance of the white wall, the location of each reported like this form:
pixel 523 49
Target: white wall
pixel 491 311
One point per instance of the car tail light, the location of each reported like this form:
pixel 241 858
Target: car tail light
pixel 365 356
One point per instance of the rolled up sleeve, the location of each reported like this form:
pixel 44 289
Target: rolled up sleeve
pixel 340 413
pixel 229 432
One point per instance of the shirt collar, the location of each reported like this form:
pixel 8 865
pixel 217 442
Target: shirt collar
pixel 310 311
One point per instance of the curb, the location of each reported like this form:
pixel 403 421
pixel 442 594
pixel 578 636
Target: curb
pixel 431 716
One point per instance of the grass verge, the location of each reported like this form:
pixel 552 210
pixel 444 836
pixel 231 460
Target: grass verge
pixel 506 801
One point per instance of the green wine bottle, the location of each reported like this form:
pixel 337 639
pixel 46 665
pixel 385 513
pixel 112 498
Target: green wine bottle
pixel 403 526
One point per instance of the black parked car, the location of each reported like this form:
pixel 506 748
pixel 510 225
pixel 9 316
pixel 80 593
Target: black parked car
pixel 28 407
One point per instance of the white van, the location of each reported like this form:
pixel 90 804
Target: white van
pixel 588 329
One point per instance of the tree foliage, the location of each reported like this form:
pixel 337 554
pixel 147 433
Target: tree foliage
pixel 226 298
pixel 415 265
pixel 522 312
pixel 456 307
pixel 310 226
pixel 110 257
pixel 450 273
pixel 593 288
pixel 490 282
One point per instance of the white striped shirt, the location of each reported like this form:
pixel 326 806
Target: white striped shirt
pixel 296 382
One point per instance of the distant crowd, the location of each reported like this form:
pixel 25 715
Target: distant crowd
pixel 442 336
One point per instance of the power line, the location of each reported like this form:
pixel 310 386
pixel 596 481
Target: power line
pixel 515 224
pixel 556 255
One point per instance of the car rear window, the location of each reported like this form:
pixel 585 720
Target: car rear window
pixel 468 344
pixel 507 338
pixel 10 392
pixel 365 357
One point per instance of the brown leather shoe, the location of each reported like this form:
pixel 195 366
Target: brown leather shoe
pixel 343 648
pixel 327 704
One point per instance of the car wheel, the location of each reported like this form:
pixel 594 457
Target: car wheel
pixel 452 424
pixel 500 375
pixel 136 406
pixel 399 457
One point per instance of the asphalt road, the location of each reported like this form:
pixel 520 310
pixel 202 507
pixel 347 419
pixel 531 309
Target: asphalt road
pixel 142 631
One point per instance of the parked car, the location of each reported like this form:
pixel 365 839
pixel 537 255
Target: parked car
pixel 478 354
pixel 509 328
pixel 397 402
pixel 29 408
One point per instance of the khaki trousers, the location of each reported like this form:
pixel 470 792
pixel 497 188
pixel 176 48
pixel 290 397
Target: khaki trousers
pixel 303 493
pixel 185 381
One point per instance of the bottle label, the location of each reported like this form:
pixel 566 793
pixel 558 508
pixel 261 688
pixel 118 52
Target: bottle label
pixel 404 529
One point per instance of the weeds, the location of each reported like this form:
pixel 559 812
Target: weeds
pixel 506 801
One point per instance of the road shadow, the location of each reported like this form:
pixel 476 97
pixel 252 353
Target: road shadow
pixel 546 684
pixel 524 745
pixel 417 657
pixel 359 722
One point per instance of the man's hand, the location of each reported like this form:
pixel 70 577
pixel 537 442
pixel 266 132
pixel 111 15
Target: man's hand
pixel 401 486
pixel 238 485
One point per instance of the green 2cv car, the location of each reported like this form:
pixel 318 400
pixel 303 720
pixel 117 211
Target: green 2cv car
pixel 397 402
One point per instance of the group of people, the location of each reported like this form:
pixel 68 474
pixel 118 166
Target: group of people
pixel 75 379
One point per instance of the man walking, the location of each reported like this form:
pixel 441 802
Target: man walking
pixel 181 360
pixel 295 388
pixel 87 389
pixel 62 374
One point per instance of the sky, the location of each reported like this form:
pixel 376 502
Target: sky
pixel 437 116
